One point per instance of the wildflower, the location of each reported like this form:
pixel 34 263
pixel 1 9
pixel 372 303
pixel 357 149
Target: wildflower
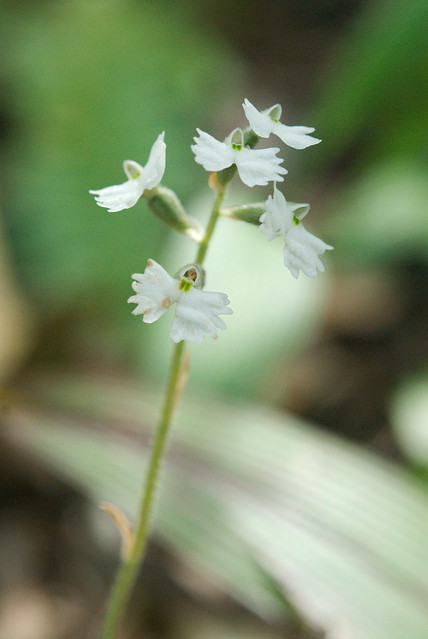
pixel 255 166
pixel 197 312
pixel 263 123
pixel 301 247
pixel 140 179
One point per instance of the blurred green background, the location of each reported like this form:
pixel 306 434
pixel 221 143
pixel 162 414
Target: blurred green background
pixel 335 551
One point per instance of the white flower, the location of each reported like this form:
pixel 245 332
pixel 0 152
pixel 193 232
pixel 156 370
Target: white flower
pixel 197 312
pixel 123 196
pixel 255 166
pixel 301 247
pixel 263 123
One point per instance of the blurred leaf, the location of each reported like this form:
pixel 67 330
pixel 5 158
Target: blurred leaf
pixel 409 414
pixel 253 499
pixel 374 95
pixel 382 216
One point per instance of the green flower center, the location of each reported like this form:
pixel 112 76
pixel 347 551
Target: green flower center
pixel 185 285
pixel 188 280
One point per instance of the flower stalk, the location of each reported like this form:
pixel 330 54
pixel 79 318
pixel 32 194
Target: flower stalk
pixel 128 570
pixel 215 213
pixel 197 311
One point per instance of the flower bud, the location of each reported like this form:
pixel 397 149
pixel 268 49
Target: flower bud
pixel 246 212
pixel 166 205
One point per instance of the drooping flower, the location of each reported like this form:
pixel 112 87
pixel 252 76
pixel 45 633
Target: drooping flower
pixel 140 178
pixel 263 123
pixel 302 249
pixel 197 312
pixel 255 166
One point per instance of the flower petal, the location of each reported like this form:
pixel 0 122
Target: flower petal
pixel 263 123
pixel 155 167
pixel 295 136
pixel 279 215
pixel 277 219
pixel 259 166
pixel 259 121
pixel 123 196
pixel 299 210
pixel 197 313
pixel 302 250
pixel 212 154
pixel 132 170
pixel 120 197
pixel 155 291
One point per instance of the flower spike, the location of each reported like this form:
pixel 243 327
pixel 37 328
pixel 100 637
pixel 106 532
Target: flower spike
pixel 197 312
pixel 255 167
pixel 124 196
pixel 302 249
pixel 263 123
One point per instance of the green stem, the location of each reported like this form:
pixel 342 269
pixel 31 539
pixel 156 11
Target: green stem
pixel 203 246
pixel 128 571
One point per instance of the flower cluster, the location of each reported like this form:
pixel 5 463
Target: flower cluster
pixel 258 167
pixel 196 311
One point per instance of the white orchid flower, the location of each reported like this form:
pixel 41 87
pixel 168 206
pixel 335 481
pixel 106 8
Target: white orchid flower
pixel 263 123
pixel 255 166
pixel 302 249
pixel 140 179
pixel 196 313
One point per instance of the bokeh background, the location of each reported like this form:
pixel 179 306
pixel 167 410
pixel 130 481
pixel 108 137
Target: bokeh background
pixel 294 501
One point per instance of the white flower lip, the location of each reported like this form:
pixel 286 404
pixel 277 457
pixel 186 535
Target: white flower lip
pixel 302 249
pixel 124 196
pixel 197 312
pixel 263 123
pixel 254 166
